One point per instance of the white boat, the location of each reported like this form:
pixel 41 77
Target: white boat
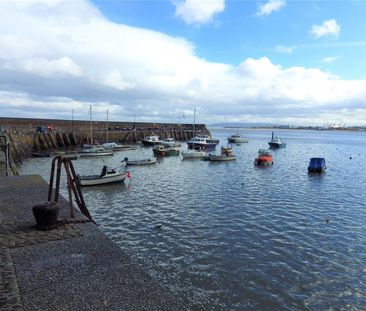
pixel 237 139
pixel 194 154
pixel 226 155
pixel 170 142
pixel 107 176
pixel 151 140
pixel 141 162
pixel 111 146
pixel 94 152
pixel 115 147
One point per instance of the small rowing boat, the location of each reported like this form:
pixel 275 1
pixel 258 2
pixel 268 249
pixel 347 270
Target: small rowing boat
pixel 141 162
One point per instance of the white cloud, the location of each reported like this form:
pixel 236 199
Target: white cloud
pixel 330 59
pixel 284 49
pixel 198 11
pixel 270 7
pixel 328 28
pixel 70 56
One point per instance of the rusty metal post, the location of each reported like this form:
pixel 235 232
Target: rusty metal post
pixel 73 186
pixel 69 186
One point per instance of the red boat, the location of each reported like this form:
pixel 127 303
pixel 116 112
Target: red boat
pixel 264 158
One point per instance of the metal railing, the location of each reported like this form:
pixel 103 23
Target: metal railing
pixel 73 186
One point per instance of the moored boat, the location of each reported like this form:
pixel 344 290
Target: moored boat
pixel 161 150
pixel 194 154
pixel 276 142
pixel 141 162
pixel 237 139
pixel 264 158
pixel 107 176
pixel 151 140
pixel 317 165
pixel 95 152
pixel 170 142
pixel 116 147
pixel 226 155
pixel 202 142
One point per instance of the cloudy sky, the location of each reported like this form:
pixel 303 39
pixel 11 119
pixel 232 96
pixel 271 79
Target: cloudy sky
pixel 288 62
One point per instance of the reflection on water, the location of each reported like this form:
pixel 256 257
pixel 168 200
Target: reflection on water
pixel 236 236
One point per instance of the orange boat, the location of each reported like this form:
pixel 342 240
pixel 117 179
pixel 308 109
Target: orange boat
pixel 264 158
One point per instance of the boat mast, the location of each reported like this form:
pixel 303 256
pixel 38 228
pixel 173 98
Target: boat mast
pixel 107 125
pixel 194 126
pixel 91 126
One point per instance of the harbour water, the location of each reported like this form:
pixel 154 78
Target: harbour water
pixel 235 236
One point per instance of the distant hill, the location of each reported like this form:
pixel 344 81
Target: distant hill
pixel 241 125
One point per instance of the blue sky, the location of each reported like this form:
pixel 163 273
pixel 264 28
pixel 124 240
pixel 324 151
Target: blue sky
pixel 287 62
pixel 284 36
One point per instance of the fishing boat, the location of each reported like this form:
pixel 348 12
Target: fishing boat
pixel 94 152
pixel 202 142
pixel 141 162
pixel 115 147
pixel 276 142
pixel 161 150
pixel 194 153
pixel 226 155
pixel 264 158
pixel 107 176
pixel 151 140
pixel 317 165
pixel 237 139
pixel 170 142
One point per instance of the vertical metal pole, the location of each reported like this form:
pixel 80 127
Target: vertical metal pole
pixel 91 126
pixel 107 126
pixel 69 186
pixel 72 120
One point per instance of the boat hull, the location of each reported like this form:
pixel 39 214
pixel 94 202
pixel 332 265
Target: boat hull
pixel 237 140
pixel 166 153
pixel 264 160
pixel 95 154
pixel 147 143
pixel 142 162
pixel 198 146
pixel 221 158
pixel 316 170
pixel 97 180
pixel 276 145
pixel 194 154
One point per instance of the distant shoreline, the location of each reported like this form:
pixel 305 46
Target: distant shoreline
pixel 350 129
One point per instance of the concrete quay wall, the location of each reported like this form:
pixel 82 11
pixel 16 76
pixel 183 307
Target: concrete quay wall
pixel 59 134
pixel 71 267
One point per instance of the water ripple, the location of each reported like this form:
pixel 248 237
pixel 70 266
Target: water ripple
pixel 234 236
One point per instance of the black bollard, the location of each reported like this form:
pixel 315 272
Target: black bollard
pixel 46 215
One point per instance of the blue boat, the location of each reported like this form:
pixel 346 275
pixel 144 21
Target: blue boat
pixel 317 165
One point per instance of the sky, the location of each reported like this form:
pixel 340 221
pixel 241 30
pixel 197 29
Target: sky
pixel 275 61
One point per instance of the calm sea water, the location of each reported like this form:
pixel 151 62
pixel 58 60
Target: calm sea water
pixel 238 237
